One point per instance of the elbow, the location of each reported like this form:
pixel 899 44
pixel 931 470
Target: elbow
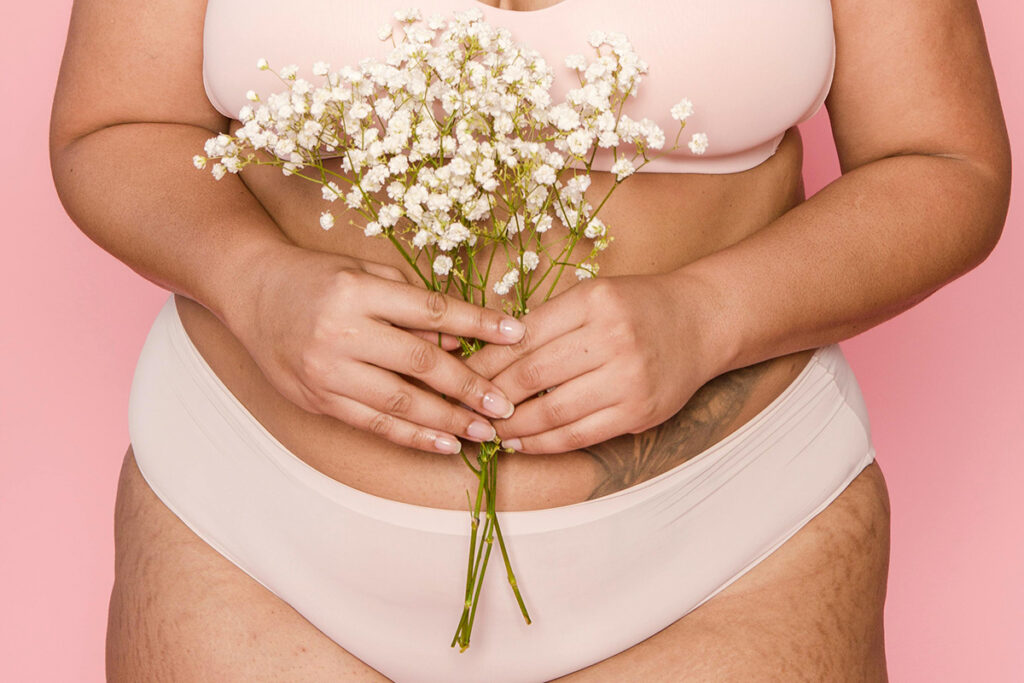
pixel 993 202
pixel 982 187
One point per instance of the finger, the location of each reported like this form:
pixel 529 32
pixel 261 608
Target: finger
pixel 554 363
pixel 386 272
pixel 443 340
pixel 387 393
pixel 414 308
pixel 568 403
pixel 594 428
pixel 556 317
pixel 407 354
pixel 389 427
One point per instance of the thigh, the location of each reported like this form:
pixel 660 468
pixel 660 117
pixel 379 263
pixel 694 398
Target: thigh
pixel 180 611
pixel 812 610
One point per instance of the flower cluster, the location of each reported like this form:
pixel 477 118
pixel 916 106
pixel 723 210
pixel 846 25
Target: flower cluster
pixel 452 145
pixel 452 148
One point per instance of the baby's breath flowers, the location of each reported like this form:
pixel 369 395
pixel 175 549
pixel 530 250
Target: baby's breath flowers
pixel 452 149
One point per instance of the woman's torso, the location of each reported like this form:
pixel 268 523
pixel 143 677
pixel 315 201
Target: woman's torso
pixel 660 222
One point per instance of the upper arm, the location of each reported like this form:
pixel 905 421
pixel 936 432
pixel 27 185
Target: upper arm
pixel 128 62
pixel 914 77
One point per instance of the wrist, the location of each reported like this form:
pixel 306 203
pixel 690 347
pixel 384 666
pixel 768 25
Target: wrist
pixel 708 311
pixel 240 278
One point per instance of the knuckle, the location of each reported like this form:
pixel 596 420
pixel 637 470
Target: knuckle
pixel 398 403
pixel 437 307
pixel 422 440
pixel 599 291
pixel 454 422
pixel 575 438
pixel 422 358
pixel 345 286
pixel 557 413
pixel 523 346
pixel 469 387
pixel 623 334
pixel 310 366
pixel 528 375
pixel 381 424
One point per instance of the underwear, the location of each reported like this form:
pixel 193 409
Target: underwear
pixel 385 579
pixel 752 68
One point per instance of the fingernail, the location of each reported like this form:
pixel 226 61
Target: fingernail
pixel 447 444
pixel 481 431
pixel 514 444
pixel 498 405
pixel 512 329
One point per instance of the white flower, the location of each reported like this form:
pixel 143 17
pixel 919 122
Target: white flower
pixel 622 168
pixel 508 280
pixel 252 96
pixel 421 239
pixel 408 16
pixel 262 64
pixel 607 139
pixel 529 260
pixel 326 220
pixel 698 143
pixel 398 164
pixel 218 171
pixel 288 72
pixel 595 229
pixel 443 264
pixel 372 229
pixel 544 175
pixel 576 62
pixel 384 32
pixel 321 68
pixel 199 161
pixel 584 272
pixel 682 109
pixel 543 223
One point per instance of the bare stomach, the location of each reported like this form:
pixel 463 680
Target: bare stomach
pixel 660 223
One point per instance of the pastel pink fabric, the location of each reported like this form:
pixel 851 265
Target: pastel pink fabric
pixel 752 69
pixel 384 579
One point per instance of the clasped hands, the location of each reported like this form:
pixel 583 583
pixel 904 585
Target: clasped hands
pixel 354 340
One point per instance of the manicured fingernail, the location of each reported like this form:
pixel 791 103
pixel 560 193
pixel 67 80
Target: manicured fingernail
pixel 498 405
pixel 512 329
pixel 481 431
pixel 514 444
pixel 447 444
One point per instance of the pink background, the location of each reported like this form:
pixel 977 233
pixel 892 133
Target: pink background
pixel 943 384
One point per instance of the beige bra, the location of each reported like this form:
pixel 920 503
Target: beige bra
pixel 752 68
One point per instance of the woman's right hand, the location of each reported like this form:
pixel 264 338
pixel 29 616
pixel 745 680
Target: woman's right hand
pixel 340 336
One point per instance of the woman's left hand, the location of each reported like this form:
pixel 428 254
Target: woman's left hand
pixel 623 353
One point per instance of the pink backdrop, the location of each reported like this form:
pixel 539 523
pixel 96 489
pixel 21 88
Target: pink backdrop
pixel 943 384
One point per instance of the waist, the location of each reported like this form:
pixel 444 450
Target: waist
pixel 370 464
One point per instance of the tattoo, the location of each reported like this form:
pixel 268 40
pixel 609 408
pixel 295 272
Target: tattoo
pixel 632 458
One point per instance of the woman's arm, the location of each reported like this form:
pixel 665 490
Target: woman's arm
pixel 922 200
pixel 129 113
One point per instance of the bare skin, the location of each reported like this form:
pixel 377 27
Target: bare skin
pixel 813 609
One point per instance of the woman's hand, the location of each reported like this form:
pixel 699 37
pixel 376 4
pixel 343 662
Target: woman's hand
pixel 624 353
pixel 339 336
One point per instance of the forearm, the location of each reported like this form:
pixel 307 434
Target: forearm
pixel 132 189
pixel 872 244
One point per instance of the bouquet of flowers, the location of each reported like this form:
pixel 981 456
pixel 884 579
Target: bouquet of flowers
pixel 452 149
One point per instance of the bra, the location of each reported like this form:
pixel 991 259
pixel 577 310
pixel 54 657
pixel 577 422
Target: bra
pixel 752 68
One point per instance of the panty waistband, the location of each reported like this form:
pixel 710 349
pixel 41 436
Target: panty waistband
pixel 826 370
